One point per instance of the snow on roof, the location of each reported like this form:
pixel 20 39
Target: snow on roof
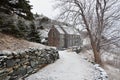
pixel 71 30
pixel 59 29
pixel 65 29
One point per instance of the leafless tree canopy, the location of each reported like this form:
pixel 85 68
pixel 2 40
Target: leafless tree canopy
pixel 99 17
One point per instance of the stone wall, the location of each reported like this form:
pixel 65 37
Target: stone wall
pixel 19 64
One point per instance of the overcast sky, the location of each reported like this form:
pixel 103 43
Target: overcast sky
pixel 44 7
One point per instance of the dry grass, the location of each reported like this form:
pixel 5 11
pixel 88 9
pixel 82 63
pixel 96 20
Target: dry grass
pixel 8 42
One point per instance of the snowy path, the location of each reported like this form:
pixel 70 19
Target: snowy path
pixel 70 66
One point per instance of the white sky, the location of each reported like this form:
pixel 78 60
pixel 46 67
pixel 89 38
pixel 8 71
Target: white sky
pixel 44 7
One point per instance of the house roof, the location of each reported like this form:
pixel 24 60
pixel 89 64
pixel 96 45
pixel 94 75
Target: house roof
pixel 71 30
pixel 68 30
pixel 59 29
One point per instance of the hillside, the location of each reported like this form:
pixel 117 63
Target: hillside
pixel 8 42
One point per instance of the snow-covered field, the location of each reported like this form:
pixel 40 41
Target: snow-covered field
pixel 70 66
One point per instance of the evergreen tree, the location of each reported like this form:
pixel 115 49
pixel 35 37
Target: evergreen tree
pixel 34 35
pixel 36 15
pixel 20 7
pixel 22 30
pixel 7 24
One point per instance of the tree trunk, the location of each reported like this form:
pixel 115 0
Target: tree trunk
pixel 97 56
pixel 96 52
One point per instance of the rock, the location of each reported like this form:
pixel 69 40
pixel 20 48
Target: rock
pixel 1 53
pixel 38 53
pixel 29 69
pixel 6 52
pixel 33 63
pixel 20 71
pixel 7 78
pixel 2 58
pixel 43 61
pixel 9 70
pixel 17 60
pixel 10 63
pixel 103 74
pixel 3 74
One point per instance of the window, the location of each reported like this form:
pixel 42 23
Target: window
pixel 54 34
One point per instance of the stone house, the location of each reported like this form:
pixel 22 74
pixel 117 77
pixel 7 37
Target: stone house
pixel 63 37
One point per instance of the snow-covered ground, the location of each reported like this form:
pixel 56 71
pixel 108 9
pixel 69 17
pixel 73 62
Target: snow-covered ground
pixel 114 73
pixel 70 66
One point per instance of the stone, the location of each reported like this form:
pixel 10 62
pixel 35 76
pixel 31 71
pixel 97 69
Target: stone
pixel 38 53
pixel 6 52
pixel 3 76
pixel 2 58
pixel 13 78
pixel 16 66
pixel 9 57
pixel 26 63
pixel 8 78
pixel 14 53
pixel 1 53
pixel 10 63
pixel 29 69
pixel 10 70
pixel 33 57
pixel 43 61
pixel 22 61
pixel 33 63
pixel 17 60
pixel 2 71
pixel 1 64
pixel 27 56
pixel 20 71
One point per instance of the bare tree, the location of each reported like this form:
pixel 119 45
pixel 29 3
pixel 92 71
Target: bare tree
pixel 98 17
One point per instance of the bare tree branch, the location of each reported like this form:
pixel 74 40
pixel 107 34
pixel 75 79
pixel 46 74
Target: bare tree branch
pixel 98 17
